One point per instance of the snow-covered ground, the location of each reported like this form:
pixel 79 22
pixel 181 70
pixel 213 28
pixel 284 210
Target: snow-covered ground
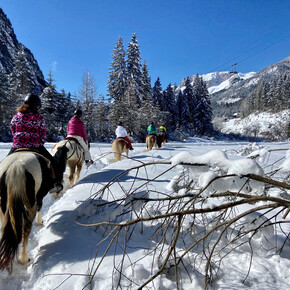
pixel 264 125
pixel 62 252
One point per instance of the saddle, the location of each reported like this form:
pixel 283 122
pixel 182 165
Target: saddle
pixel 73 139
pixel 121 138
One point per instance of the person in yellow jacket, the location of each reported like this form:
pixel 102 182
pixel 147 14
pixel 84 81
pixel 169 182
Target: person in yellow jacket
pixel 163 130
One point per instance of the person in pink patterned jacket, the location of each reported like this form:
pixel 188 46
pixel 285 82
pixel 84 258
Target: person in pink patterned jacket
pixel 76 129
pixel 29 131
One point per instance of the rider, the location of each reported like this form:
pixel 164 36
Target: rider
pixel 76 129
pixel 29 131
pixel 122 133
pixel 151 129
pixel 163 130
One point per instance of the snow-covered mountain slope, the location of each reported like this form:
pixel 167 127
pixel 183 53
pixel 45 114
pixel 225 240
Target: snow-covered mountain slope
pixel 265 125
pixel 214 87
pixel 229 87
pixel 9 49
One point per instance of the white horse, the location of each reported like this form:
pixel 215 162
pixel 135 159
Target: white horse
pixel 75 157
pixel 25 178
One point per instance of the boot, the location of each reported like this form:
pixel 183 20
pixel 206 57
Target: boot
pixel 57 187
pixel 89 163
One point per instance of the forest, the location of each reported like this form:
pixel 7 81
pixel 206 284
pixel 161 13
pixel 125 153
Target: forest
pixel 131 99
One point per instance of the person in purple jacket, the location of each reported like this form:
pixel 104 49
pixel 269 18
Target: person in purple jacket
pixel 76 129
pixel 29 131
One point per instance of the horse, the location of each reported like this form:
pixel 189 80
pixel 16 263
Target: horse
pixel 75 158
pixel 25 178
pixel 151 140
pixel 118 146
pixel 162 139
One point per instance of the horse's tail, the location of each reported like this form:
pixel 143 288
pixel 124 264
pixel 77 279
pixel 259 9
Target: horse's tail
pixel 14 205
pixel 117 150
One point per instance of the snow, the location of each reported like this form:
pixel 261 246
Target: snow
pixel 224 84
pixel 263 124
pixel 62 252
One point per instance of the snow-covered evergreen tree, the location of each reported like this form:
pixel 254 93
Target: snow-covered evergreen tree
pixel 130 108
pixel 50 102
pixel 88 97
pixel 169 105
pixel 189 109
pixel 157 95
pixel 117 81
pixel 102 122
pixel 182 112
pixel 146 84
pixel 21 80
pixel 203 112
pixel 134 69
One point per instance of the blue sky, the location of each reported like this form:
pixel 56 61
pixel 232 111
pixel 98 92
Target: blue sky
pixel 177 38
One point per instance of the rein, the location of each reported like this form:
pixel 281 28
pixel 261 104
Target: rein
pixel 74 148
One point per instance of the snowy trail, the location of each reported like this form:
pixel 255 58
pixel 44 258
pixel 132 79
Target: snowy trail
pixel 63 247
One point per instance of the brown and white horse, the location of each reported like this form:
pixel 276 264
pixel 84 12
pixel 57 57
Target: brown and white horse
pixel 162 139
pixel 151 140
pixel 75 158
pixel 25 178
pixel 118 146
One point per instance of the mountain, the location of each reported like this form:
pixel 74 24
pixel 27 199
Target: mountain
pixel 228 89
pixel 10 47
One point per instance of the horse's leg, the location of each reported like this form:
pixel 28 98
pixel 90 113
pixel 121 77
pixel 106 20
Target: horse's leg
pixel 126 149
pixel 72 169
pixel 79 168
pixel 23 255
pixel 38 219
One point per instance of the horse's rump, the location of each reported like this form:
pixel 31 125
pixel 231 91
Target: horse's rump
pixel 25 178
pixel 151 140
pixel 120 145
pixel 161 139
pixel 75 157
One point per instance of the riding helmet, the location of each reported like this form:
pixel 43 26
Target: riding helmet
pixel 120 123
pixel 78 112
pixel 33 101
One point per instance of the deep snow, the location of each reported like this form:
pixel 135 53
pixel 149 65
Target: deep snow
pixel 62 251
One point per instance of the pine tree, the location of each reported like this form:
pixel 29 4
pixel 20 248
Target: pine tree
pixel 134 69
pixel 117 81
pixel 203 112
pixel 101 125
pixel 182 112
pixel 146 85
pixel 189 110
pixel 157 96
pixel 130 108
pixel 88 97
pixel 50 103
pixel 169 105
pixel 21 78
